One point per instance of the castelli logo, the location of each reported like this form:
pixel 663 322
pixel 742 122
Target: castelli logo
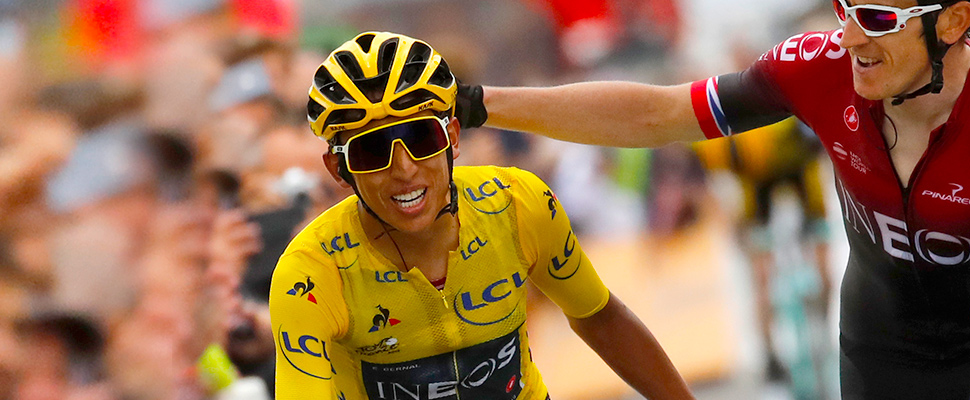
pixel 851 118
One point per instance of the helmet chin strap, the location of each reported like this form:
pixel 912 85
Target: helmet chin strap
pixel 452 207
pixel 936 49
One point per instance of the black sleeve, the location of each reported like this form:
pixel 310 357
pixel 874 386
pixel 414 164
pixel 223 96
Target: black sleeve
pixel 751 100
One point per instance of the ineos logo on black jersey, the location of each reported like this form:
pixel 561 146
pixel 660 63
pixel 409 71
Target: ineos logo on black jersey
pixel 490 370
pixel 933 247
pixel 941 248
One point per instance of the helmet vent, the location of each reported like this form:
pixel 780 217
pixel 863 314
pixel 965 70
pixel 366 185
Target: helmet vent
pixel 442 76
pixel 412 99
pixel 314 109
pixel 420 53
pixel 322 78
pixel 385 57
pixel 338 117
pixel 330 88
pixel 348 63
pixel 417 60
pixel 364 41
pixel 374 87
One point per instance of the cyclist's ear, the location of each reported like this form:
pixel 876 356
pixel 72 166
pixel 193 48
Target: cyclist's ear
pixel 953 22
pixel 336 168
pixel 454 132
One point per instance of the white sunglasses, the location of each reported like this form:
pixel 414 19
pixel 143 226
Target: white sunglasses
pixel 876 20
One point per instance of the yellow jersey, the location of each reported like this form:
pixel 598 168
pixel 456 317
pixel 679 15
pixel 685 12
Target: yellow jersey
pixel 350 325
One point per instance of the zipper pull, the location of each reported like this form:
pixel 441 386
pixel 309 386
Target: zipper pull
pixel 443 299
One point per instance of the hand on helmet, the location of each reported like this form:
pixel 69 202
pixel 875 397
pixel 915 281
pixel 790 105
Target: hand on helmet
pixel 469 108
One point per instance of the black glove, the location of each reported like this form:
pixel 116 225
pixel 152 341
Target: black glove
pixel 469 108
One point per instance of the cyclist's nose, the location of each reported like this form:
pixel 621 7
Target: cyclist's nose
pixel 852 34
pixel 402 165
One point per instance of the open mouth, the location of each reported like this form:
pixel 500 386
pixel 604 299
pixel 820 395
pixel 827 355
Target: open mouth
pixel 411 199
pixel 866 62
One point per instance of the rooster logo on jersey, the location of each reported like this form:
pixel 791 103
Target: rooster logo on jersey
pixel 300 289
pixel 382 319
pixel 552 202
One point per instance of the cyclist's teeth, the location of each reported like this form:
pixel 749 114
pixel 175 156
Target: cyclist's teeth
pixel 409 199
pixel 866 61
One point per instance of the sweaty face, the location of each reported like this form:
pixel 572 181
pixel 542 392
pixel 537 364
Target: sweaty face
pixel 890 65
pixel 409 194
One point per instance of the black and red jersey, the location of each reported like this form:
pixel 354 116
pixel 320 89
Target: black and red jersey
pixel 906 287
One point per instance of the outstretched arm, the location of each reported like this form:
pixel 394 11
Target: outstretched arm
pixel 628 347
pixel 620 114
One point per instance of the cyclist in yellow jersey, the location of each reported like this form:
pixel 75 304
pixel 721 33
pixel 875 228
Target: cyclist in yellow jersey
pixel 414 288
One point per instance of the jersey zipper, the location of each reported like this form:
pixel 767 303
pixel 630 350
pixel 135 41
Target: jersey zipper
pixel 907 191
pixel 936 137
pixel 441 292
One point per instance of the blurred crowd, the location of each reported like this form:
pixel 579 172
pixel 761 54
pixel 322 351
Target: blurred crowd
pixel 155 160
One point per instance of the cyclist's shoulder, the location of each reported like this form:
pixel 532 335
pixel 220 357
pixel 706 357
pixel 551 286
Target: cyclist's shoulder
pixel 470 174
pixel 337 221
pixel 479 184
pixel 809 61
pixel 808 70
pixel 813 47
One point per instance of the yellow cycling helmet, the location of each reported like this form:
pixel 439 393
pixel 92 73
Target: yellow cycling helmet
pixel 375 75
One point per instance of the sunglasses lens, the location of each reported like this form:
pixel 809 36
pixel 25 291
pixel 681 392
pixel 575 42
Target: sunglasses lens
pixel 372 151
pixel 368 152
pixel 876 20
pixel 425 138
pixel 839 10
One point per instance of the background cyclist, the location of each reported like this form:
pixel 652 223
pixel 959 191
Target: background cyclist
pixel 769 162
